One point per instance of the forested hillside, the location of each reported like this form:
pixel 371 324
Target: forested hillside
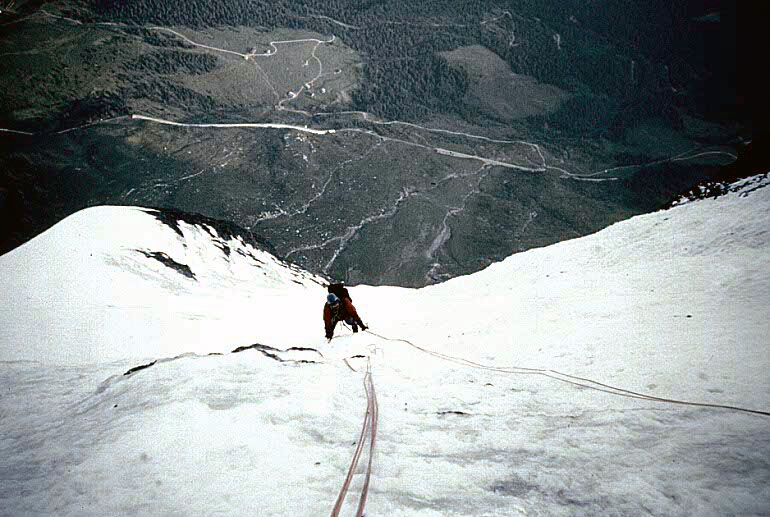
pixel 621 61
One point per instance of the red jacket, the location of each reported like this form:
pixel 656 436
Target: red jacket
pixel 346 312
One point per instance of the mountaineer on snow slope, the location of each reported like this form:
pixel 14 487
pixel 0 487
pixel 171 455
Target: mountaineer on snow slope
pixel 339 307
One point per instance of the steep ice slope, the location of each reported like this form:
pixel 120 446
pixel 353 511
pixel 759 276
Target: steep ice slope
pixel 115 282
pixel 673 304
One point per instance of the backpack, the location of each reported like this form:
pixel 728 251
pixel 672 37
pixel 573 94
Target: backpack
pixel 339 290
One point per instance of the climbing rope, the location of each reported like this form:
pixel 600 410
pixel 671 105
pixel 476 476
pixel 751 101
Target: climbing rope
pixel 370 427
pixel 373 412
pixel 372 409
pixel 571 379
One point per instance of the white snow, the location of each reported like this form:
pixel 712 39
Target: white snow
pixel 672 304
pixel 83 292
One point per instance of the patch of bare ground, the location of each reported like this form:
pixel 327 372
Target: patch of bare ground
pixel 498 92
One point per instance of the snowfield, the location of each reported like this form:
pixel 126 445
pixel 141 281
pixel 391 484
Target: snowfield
pixel 159 370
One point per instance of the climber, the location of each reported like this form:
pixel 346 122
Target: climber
pixel 336 310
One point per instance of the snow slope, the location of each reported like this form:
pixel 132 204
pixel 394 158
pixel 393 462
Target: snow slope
pixel 86 290
pixel 476 413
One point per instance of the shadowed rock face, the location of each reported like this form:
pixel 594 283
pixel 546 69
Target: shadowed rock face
pixel 493 132
pixel 167 261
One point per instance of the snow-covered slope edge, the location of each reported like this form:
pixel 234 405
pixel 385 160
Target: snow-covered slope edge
pixel 716 188
pixel 112 282
pixel 667 303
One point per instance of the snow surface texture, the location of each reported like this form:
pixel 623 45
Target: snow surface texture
pixel 111 403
